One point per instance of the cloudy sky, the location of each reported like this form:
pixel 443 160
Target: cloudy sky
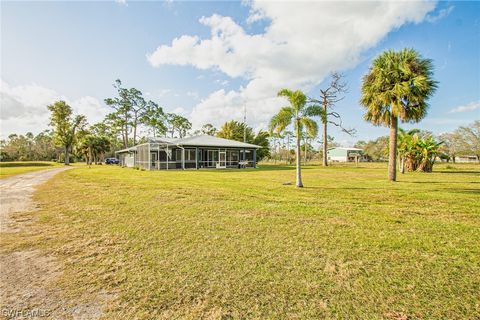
pixel 207 60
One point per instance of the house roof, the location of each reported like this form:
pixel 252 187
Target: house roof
pixel 205 141
pixel 342 148
pixel 131 149
pixel 197 141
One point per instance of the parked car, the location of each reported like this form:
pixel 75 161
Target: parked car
pixel 112 161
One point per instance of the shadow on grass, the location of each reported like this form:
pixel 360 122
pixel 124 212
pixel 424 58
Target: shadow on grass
pixel 24 164
pixel 439 182
pixel 345 188
pixel 466 191
pixel 459 171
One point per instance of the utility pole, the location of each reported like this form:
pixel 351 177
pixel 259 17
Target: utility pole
pixel 245 123
pixel 244 129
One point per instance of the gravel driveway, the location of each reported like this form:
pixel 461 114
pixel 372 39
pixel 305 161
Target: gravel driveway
pixel 16 195
pixel 28 277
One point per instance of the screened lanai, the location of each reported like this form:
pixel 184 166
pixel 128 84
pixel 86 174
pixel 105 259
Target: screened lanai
pixel 197 152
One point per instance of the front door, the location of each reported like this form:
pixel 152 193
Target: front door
pixel 222 162
pixel 153 159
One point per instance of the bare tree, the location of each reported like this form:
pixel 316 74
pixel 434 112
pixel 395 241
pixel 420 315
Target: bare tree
pixel 329 96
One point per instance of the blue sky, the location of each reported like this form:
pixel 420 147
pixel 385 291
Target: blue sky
pixel 238 54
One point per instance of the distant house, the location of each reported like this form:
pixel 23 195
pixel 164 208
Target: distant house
pixel 195 152
pixel 466 159
pixel 340 154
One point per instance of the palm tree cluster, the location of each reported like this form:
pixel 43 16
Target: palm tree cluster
pixel 398 85
pixel 417 152
pixel 94 148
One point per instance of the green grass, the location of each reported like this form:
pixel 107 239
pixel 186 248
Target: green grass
pixel 240 244
pixel 8 169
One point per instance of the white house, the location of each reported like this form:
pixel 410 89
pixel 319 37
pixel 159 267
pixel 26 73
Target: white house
pixel 340 154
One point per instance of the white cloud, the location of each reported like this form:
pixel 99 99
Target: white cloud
pixel 474 105
pixel 180 111
pixel 122 2
pixel 303 43
pixel 24 108
pixel 222 82
pixel 432 18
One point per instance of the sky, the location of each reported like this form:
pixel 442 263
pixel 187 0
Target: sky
pixel 209 60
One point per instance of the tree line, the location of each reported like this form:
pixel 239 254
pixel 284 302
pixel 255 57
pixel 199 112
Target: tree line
pixel 132 119
pixel 396 89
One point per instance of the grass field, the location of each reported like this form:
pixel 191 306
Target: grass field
pixel 8 169
pixel 241 245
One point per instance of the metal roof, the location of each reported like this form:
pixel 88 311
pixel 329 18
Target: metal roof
pixel 198 141
pixel 127 150
pixel 343 148
pixel 211 141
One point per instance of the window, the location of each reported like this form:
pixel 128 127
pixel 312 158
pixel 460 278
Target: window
pixel 178 154
pixel 189 154
pixel 232 155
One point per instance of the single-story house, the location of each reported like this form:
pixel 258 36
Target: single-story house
pixel 466 159
pixel 196 152
pixel 340 154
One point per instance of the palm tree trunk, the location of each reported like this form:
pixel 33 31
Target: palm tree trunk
pixel 305 151
pixel 392 157
pixel 298 154
pixel 402 165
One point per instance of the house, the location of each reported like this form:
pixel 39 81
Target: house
pixel 340 154
pixel 196 152
pixel 466 159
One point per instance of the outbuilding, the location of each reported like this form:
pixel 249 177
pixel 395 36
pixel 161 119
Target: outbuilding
pixel 340 154
pixel 196 152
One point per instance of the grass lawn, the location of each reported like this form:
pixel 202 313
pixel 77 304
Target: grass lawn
pixel 239 244
pixel 8 169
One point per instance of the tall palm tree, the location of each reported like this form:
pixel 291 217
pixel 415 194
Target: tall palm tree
pixel 398 85
pixel 299 115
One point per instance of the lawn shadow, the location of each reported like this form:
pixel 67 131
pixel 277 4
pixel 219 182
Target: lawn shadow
pixel 459 171
pixel 440 182
pixel 466 191
pixel 24 164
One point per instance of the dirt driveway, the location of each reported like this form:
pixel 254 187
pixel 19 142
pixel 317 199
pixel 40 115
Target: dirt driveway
pixel 16 195
pixel 27 277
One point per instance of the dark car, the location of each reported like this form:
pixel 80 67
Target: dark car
pixel 112 161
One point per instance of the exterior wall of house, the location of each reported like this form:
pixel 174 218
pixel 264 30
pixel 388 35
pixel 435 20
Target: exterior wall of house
pixel 466 159
pixel 153 157
pixel 129 160
pixel 344 155
pixel 339 155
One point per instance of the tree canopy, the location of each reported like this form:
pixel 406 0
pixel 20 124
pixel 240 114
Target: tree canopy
pixel 65 126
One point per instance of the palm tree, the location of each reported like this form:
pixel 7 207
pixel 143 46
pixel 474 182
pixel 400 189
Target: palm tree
pixel 299 115
pixel 404 145
pixel 397 85
pixel 428 151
